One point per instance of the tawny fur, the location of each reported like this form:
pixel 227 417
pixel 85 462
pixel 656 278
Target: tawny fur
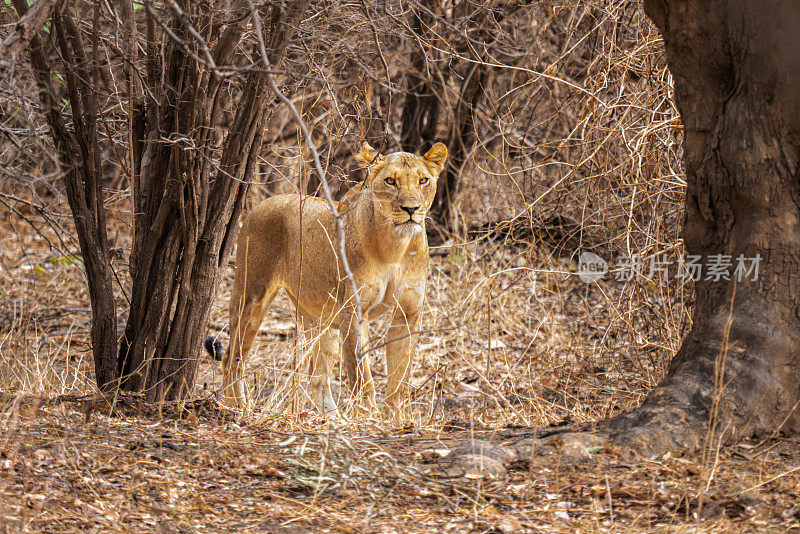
pixel 387 249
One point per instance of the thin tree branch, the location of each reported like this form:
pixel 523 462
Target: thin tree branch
pixel 318 166
pixel 26 28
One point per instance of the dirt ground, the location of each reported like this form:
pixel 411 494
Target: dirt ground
pixel 67 466
pixel 510 343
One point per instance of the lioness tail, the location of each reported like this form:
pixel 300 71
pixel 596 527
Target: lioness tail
pixel 214 348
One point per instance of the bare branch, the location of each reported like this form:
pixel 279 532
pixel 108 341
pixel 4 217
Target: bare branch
pixel 318 165
pixel 26 28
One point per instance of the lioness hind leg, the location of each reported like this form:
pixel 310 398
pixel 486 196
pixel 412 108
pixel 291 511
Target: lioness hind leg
pixel 245 320
pixel 323 344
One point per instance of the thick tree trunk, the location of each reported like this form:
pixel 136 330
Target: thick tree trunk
pixel 79 156
pixel 735 66
pixel 186 220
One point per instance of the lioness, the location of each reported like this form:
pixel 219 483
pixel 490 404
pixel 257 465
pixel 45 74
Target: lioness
pixel 387 249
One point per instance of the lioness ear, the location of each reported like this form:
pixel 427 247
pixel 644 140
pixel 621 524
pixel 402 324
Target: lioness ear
pixel 368 155
pixel 436 157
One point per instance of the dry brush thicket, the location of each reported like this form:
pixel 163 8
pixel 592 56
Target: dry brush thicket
pixel 564 138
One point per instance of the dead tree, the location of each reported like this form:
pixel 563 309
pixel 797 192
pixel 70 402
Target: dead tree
pixel 736 86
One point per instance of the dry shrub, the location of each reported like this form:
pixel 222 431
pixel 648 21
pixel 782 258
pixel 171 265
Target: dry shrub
pixel 576 148
pixel 571 144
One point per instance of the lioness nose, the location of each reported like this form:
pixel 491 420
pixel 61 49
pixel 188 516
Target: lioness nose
pixel 410 209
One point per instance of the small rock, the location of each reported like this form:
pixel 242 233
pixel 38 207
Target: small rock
pixel 40 455
pixel 509 524
pixel 475 466
pixel 477 459
pixel 569 448
pixel 484 448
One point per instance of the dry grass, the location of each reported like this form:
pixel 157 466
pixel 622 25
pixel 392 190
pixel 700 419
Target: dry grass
pixel 72 462
pixel 578 148
pixel 141 471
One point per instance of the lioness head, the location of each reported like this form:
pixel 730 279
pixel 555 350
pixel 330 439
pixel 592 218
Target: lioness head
pixel 403 184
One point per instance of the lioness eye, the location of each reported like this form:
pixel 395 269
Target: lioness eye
pixel 423 180
pixel 391 181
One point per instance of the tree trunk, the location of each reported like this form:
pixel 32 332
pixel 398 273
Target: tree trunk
pixel 79 156
pixel 460 142
pixel 187 191
pixel 736 84
pixel 421 110
pixel 186 220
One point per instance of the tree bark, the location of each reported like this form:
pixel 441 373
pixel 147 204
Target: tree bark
pixel 26 28
pixel 737 373
pixel 188 192
pixel 79 156
pixel 187 219
pixel 421 109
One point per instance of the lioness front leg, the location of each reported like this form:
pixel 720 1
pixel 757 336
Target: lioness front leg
pixel 399 351
pixel 358 371
pixel 323 344
pixel 243 332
